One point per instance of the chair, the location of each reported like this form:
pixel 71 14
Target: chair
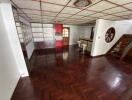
pixel 84 46
pixel 79 44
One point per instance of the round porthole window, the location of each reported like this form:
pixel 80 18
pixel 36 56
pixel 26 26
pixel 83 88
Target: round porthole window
pixel 110 34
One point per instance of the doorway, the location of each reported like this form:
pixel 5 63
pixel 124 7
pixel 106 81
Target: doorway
pixel 66 36
pixel 92 33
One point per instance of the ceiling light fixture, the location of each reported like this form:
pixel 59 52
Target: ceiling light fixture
pixel 82 3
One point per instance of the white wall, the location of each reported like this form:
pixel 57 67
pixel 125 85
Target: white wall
pixel 30 49
pixel 78 31
pixel 74 34
pixel 100 47
pixel 85 31
pixel 4 1
pixel 12 64
pixel 37 32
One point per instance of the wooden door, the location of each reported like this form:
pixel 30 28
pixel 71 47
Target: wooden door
pixel 66 35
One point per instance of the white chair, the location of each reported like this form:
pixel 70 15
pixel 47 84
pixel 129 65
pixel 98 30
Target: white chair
pixel 79 44
pixel 84 46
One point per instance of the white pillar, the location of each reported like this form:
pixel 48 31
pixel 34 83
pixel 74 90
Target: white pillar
pixel 12 63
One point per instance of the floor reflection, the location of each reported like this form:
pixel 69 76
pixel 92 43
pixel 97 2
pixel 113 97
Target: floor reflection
pixel 66 74
pixel 110 75
pixel 24 89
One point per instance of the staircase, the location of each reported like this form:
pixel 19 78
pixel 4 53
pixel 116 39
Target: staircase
pixel 122 48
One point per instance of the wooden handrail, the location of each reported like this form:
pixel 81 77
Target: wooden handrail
pixel 127 49
pixel 124 36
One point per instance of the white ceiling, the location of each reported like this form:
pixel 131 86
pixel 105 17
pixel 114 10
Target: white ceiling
pixel 63 11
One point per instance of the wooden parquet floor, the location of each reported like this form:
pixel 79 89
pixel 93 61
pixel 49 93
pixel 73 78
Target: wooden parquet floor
pixel 68 75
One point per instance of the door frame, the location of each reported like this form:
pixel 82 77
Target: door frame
pixel 68 34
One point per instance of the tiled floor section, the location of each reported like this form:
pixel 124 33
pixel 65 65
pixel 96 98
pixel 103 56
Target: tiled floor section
pixel 68 75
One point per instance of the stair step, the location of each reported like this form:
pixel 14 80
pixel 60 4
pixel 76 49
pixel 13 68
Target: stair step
pixel 115 55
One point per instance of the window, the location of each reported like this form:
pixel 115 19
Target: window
pixel 65 32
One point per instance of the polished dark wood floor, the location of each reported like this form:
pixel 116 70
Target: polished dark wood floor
pixel 65 74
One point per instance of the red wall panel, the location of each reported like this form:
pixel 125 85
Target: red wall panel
pixel 58 43
pixel 58 35
pixel 58 28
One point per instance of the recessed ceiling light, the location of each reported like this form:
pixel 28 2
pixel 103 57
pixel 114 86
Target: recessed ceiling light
pixel 82 3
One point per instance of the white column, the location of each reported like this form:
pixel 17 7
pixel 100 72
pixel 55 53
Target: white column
pixel 12 63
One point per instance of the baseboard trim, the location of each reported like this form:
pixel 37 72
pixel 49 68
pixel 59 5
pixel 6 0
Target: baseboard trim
pixel 98 56
pixel 32 55
pixel 15 87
